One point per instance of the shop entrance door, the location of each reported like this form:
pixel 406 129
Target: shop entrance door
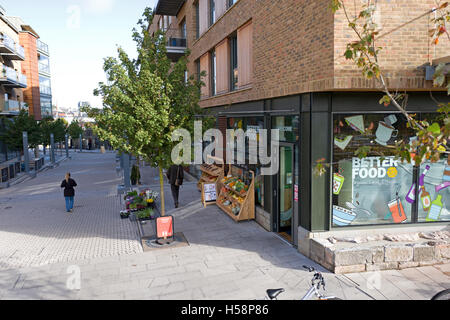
pixel 285 193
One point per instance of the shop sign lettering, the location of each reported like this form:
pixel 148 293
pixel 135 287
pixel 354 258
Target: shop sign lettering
pixel 374 167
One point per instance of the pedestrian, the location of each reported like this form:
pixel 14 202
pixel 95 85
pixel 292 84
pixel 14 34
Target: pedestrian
pixel 175 176
pixel 69 192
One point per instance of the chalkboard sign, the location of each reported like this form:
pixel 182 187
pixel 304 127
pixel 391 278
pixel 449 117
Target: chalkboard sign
pixel 209 193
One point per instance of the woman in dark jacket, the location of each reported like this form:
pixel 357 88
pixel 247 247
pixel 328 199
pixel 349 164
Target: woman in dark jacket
pixel 175 176
pixel 69 191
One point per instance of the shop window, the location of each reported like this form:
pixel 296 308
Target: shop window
pixel 250 125
pixel 288 126
pixel 372 190
pixel 434 185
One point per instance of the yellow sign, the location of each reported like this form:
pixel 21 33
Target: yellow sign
pixel 392 172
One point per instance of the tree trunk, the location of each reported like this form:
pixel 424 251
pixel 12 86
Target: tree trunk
pixel 36 152
pixel 44 147
pixel 161 182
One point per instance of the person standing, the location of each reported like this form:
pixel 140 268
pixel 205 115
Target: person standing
pixel 175 176
pixel 69 192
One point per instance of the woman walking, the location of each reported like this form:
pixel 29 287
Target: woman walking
pixel 69 192
pixel 175 176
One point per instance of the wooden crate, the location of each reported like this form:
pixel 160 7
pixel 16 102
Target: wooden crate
pixel 247 211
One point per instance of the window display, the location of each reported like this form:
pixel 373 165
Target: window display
pixel 375 189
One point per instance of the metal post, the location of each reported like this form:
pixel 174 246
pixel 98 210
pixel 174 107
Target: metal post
pixel 26 156
pixel 52 146
pixel 81 143
pixel 126 171
pixel 67 145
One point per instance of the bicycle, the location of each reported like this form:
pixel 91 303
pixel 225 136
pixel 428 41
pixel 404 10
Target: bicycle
pixel 443 295
pixel 316 283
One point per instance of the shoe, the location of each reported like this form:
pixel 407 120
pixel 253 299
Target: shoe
pixel 176 205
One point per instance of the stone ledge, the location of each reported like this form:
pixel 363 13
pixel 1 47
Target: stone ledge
pixel 380 255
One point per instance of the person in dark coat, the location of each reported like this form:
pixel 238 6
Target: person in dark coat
pixel 175 176
pixel 69 192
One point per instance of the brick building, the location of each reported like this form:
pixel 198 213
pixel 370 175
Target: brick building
pixel 280 65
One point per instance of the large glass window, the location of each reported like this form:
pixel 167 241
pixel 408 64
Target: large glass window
pixel 375 189
pixel 288 127
pixel 251 125
pixel 434 185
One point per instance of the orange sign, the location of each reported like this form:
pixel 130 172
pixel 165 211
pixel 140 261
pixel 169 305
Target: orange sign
pixel 164 227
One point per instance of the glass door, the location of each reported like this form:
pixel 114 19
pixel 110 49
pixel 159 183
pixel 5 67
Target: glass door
pixel 286 192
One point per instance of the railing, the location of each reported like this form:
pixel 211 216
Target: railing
pixel 20 51
pixel 45 68
pixel 42 46
pixel 12 106
pixel 45 90
pixel 9 73
pixel 7 42
pixel 23 80
pixel 176 42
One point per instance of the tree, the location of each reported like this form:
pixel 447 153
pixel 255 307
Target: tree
pixel 74 130
pixel 145 100
pixel 14 127
pixel 46 128
pixel 432 138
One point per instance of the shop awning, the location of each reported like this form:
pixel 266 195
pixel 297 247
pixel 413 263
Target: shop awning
pixel 168 7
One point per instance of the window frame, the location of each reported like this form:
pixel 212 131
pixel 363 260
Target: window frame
pixel 213 72
pixel 234 62
pixel 212 12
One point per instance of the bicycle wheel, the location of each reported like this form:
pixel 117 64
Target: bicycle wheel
pixel 443 295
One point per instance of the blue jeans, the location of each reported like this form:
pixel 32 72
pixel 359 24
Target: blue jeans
pixel 69 203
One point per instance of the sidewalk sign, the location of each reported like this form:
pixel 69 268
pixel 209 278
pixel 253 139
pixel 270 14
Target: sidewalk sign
pixel 209 194
pixel 164 229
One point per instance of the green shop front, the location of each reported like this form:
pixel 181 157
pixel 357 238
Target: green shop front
pixel 373 192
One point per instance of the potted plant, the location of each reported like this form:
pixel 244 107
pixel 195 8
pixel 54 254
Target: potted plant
pixel 124 214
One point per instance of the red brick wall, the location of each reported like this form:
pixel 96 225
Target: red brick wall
pixel 30 67
pixel 298 47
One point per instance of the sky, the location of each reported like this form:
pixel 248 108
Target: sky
pixel 80 34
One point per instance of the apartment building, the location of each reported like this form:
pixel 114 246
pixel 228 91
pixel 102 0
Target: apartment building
pixel 12 78
pixel 280 65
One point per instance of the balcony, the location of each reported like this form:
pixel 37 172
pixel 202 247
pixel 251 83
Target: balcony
pixel 42 47
pixel 7 45
pixel 20 52
pixel 45 90
pixel 44 68
pixel 11 78
pixel 13 107
pixel 169 7
pixel 176 48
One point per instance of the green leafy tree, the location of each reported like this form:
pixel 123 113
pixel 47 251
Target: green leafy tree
pixel 74 130
pixel 14 127
pixel 46 128
pixel 145 100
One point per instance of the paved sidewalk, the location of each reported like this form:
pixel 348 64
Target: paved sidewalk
pixel 44 251
pixel 36 230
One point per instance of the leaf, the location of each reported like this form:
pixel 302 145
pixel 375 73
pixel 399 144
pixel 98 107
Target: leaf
pixel 434 129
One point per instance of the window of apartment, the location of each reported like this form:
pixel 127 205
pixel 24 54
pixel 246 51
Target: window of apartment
pixel 233 63
pixel 183 30
pixel 197 20
pixel 197 68
pixel 231 3
pixel 160 23
pixel 213 73
pixel 212 12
